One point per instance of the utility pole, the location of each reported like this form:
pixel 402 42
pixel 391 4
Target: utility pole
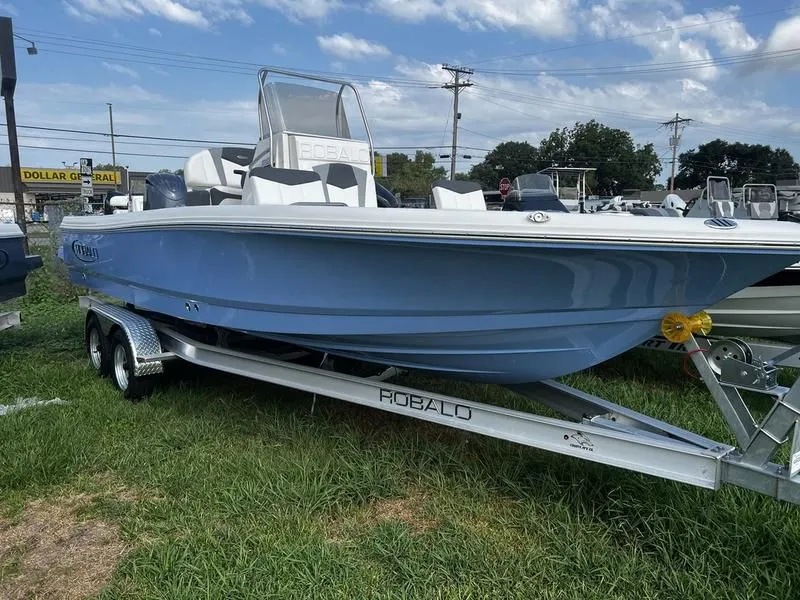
pixel 674 142
pixel 456 86
pixel 111 125
pixel 8 84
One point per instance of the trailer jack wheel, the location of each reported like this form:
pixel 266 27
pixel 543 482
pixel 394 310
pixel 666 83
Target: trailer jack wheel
pixel 97 347
pixel 133 387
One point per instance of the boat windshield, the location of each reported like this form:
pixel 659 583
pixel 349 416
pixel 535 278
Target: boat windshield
pixel 304 109
pixel 534 181
pixel 719 188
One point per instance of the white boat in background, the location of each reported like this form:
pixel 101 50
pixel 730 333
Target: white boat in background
pixel 573 197
pixel 768 310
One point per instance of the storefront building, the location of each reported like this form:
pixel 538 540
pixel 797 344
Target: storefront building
pixel 43 186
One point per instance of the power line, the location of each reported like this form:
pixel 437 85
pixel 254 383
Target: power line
pixel 636 35
pixel 490 137
pixel 56 138
pixel 605 159
pixel 585 108
pixel 189 61
pixel 103 152
pixel 399 82
pixel 561 103
pixel 195 141
pixel 650 68
pixel 446 122
pixel 132 136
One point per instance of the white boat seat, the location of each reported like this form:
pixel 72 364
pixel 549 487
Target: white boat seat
pixel 458 195
pixel 216 167
pixel 722 208
pixel 270 185
pixel 762 210
pixel 347 184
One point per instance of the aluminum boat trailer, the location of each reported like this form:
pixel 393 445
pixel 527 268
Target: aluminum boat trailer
pixel 764 351
pixel 132 348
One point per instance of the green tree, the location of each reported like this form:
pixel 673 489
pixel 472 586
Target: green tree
pixel 620 164
pixel 554 150
pixel 409 177
pixel 173 171
pixel 741 163
pixel 508 159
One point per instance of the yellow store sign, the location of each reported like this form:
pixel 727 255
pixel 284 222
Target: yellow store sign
pixel 67 176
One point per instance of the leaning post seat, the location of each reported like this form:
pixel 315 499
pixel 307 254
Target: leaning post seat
pixel 722 208
pixel 220 171
pixel 458 195
pixel 762 210
pixel 348 184
pixel 270 185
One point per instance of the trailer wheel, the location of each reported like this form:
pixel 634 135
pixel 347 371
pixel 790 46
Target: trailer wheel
pixel 97 346
pixel 132 387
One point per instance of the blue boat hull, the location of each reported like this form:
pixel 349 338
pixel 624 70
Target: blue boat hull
pixel 15 266
pixel 494 311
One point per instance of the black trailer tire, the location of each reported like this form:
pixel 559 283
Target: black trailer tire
pixel 97 346
pixel 132 387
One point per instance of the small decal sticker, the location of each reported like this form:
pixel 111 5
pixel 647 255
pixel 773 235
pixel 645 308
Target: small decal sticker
pixel 83 252
pixel 579 440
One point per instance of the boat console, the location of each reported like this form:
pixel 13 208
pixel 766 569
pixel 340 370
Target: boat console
pixel 533 192
pixel 759 201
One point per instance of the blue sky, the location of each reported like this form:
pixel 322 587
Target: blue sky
pixel 539 64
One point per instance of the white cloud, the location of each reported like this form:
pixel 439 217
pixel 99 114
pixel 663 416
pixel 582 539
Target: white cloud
pixel 304 9
pixel 8 9
pixel 679 36
pixel 76 14
pixel 121 69
pixel 279 49
pixel 201 13
pixel 153 31
pixel 783 40
pixel 544 18
pixel 223 10
pixel 170 10
pixel 349 47
pixel 730 35
pixel 137 111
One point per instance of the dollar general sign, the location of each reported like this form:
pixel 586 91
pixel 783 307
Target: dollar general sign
pixel 67 176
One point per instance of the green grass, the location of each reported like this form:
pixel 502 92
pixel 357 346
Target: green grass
pixel 234 489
